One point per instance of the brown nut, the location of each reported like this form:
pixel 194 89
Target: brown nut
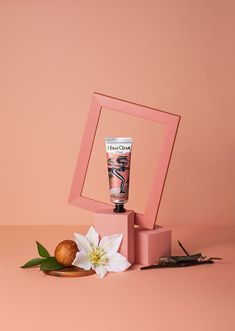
pixel 65 252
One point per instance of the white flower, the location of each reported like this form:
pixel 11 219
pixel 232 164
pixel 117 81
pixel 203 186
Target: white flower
pixel 100 256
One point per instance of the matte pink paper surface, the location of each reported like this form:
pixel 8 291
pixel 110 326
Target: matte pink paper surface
pixel 152 244
pixel 107 222
pixel 133 300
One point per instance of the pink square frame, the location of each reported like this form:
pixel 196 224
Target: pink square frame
pixel 171 121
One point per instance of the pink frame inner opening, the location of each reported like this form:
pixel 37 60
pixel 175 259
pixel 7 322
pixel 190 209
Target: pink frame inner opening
pixel 148 219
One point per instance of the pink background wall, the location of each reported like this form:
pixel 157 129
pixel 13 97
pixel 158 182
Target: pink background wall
pixel 177 56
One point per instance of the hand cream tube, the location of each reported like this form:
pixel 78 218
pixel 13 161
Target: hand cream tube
pixel 118 151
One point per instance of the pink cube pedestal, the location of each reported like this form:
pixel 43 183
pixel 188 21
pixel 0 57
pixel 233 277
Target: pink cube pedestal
pixel 151 244
pixel 106 222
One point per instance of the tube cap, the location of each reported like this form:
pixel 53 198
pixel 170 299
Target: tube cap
pixel 119 208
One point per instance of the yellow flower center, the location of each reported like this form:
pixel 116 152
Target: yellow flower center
pixel 97 256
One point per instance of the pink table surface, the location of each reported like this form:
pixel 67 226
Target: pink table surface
pixel 197 298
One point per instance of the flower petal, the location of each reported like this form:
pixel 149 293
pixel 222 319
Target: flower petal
pixel 93 236
pixel 111 243
pixel 100 270
pixel 117 263
pixel 81 260
pixel 82 242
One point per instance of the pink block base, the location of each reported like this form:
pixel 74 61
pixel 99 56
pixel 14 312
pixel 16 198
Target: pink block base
pixel 107 222
pixel 151 244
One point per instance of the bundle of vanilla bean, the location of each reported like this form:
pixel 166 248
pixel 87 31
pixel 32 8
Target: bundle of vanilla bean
pixel 181 261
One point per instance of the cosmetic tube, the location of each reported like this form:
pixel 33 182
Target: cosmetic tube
pixel 118 151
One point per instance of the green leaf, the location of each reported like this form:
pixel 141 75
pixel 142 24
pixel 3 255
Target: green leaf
pixel 42 251
pixel 50 264
pixel 33 262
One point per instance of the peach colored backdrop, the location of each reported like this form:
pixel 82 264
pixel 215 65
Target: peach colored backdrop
pixel 177 56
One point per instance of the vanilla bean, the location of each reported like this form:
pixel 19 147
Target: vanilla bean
pixel 183 248
pixel 177 265
pixel 176 259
